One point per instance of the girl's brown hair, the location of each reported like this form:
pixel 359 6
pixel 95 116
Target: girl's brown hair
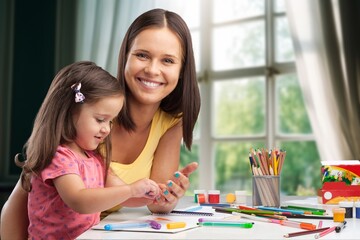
pixel 184 100
pixel 54 123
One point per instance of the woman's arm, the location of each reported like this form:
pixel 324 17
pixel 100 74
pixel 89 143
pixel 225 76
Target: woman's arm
pixel 14 216
pixel 164 170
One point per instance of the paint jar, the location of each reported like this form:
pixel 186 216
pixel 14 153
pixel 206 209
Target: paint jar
pixel 197 192
pixel 266 191
pixel 240 197
pixel 348 206
pixel 201 198
pixel 357 209
pixel 214 196
pixel 338 214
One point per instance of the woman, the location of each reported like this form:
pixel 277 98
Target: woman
pixel 162 102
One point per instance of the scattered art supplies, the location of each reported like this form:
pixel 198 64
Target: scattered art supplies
pixel 273 213
pixel 340 181
pixel 177 220
pixel 150 223
pixel 236 216
pixel 266 168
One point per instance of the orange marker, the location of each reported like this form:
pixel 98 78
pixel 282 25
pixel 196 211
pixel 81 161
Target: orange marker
pixel 245 208
pixel 161 219
pixel 174 225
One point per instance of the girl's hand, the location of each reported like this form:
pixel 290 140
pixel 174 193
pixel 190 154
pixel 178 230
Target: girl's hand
pixel 146 188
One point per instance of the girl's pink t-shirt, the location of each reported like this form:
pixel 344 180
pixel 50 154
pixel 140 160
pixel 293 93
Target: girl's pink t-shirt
pixel 50 217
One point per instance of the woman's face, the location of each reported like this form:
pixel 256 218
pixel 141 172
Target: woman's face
pixel 153 66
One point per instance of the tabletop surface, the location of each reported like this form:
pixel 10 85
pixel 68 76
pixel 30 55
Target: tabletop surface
pixel 260 230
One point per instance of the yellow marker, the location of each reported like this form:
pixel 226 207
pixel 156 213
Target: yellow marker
pixel 174 225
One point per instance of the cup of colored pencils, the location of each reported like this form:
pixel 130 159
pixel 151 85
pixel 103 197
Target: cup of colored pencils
pixel 266 167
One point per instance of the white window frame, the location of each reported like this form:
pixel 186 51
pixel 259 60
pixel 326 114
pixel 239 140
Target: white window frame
pixel 207 140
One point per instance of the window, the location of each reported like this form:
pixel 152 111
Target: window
pixel 251 97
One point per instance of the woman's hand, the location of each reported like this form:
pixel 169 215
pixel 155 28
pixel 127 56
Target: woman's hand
pixel 177 186
pixel 188 169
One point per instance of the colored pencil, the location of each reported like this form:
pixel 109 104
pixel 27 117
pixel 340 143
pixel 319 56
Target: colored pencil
pixel 325 232
pixel 295 234
pixel 304 208
pixel 252 217
pixel 309 216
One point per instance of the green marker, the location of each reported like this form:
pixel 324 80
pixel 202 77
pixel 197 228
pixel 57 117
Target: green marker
pixel 226 224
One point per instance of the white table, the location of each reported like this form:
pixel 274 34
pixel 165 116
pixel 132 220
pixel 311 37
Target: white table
pixel 260 230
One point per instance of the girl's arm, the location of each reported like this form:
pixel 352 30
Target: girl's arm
pixel 165 165
pixel 112 180
pixel 14 216
pixel 73 192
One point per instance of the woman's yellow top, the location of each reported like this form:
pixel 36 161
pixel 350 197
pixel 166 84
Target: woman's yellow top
pixel 141 167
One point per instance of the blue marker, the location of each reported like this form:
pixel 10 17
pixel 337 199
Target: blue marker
pixel 194 209
pixel 119 226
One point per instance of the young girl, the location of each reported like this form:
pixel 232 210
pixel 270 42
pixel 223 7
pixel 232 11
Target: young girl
pixel 64 172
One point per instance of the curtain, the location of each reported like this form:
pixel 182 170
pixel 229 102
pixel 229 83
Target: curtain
pixel 326 42
pixel 101 26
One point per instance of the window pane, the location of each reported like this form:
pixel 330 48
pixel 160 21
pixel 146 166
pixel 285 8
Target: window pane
pixel 291 115
pixel 279 5
pixel 284 51
pixel 225 10
pixel 233 167
pixel 239 107
pixel 188 9
pixel 196 132
pixel 187 157
pixel 300 174
pixel 195 36
pixel 239 46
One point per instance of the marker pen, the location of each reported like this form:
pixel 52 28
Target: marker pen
pixel 119 226
pixel 340 227
pixel 226 224
pixel 223 220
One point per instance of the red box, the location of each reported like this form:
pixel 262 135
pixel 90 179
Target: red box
pixel 341 181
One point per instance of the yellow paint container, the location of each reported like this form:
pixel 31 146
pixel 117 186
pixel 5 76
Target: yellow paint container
pixel 339 214
pixel 230 198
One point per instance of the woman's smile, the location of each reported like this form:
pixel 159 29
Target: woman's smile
pixel 149 83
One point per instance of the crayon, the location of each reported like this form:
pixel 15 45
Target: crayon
pixel 174 225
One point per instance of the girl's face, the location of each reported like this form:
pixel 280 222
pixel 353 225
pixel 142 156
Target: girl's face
pixel 153 65
pixel 93 122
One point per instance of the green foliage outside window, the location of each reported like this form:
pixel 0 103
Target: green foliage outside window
pixel 240 111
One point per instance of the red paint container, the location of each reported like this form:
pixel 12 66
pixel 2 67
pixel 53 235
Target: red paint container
pixel 214 196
